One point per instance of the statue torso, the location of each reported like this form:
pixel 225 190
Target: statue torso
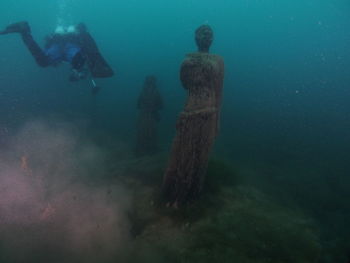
pixel 202 75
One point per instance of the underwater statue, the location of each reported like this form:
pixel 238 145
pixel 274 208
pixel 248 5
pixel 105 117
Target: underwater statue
pixel 202 75
pixel 149 104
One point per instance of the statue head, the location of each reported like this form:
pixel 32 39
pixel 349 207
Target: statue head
pixel 204 38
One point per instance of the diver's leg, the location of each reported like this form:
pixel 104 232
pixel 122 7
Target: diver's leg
pixel 23 28
pixel 40 57
pixel 78 61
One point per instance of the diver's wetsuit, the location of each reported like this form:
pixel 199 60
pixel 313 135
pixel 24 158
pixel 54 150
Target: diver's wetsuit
pixel 77 48
pixel 58 48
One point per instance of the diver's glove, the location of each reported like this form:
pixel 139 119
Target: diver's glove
pixel 76 75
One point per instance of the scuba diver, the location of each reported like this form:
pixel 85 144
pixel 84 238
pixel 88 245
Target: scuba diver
pixel 72 44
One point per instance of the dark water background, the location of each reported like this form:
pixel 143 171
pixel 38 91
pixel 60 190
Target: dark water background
pixel 286 97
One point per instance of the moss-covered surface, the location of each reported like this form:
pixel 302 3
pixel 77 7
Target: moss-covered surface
pixel 230 223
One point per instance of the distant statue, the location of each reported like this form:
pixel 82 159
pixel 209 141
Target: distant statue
pixel 202 74
pixel 149 104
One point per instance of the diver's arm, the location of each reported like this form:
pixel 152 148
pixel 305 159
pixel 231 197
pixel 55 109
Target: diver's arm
pixel 98 66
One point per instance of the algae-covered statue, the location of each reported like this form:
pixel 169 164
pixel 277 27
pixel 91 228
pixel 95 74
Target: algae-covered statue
pixel 202 76
pixel 149 104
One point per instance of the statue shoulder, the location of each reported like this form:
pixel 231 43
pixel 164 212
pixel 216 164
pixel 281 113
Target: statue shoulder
pixel 196 58
pixel 191 57
pixel 202 59
pixel 218 61
pixel 215 57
